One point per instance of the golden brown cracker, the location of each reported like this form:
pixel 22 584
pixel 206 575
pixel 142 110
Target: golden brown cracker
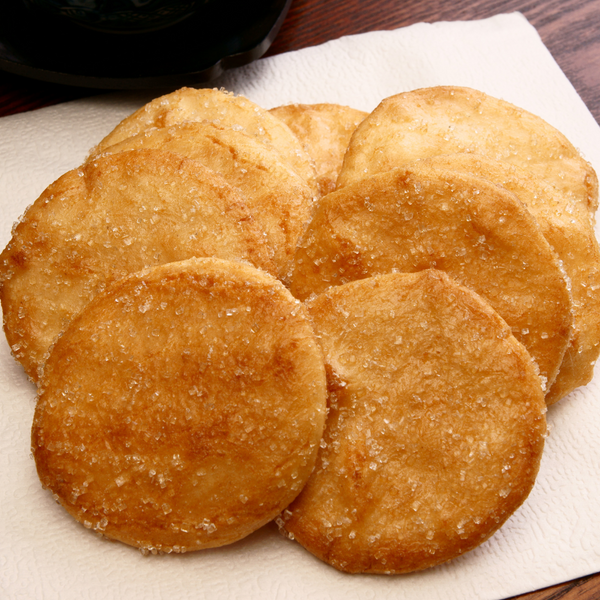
pixel 324 130
pixel 435 429
pixel 112 217
pixel 281 201
pixel 415 218
pixel 222 108
pixel 444 120
pixel 566 227
pixel 183 407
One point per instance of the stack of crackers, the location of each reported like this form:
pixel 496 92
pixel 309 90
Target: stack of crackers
pixel 349 323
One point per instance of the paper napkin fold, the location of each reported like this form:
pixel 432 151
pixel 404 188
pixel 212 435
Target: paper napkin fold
pixel 554 537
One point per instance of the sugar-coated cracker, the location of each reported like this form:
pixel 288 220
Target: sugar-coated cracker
pixel 222 108
pixel 435 429
pixel 413 218
pixel 112 217
pixel 448 119
pixel 183 407
pixel 324 130
pixel 566 226
pixel 280 200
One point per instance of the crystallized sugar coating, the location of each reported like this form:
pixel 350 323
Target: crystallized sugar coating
pixel 112 217
pixel 435 429
pixel 325 131
pixel 566 226
pixel 415 218
pixel 221 108
pixel 446 119
pixel 281 201
pixel 183 408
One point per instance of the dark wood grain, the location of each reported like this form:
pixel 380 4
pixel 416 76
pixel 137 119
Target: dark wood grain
pixel 585 588
pixel 569 28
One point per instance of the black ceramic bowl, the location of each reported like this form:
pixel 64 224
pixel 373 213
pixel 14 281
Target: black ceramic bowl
pixel 186 49
pixel 118 16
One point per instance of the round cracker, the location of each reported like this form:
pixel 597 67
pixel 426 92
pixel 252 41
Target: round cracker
pixel 222 108
pixel 414 218
pixel 325 131
pixel 281 201
pixel 435 429
pixel 446 119
pixel 183 407
pixel 109 218
pixel 568 230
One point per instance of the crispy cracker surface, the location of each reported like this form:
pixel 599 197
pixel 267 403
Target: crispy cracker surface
pixel 446 119
pixel 221 108
pixel 435 430
pixel 183 407
pixel 565 224
pixel 114 216
pixel 415 218
pixel 281 201
pixel 324 130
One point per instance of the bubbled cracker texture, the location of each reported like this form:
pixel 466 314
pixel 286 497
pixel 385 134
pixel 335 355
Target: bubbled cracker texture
pixel 221 108
pixel 325 131
pixel 552 538
pixel 410 219
pixel 280 200
pixel 446 119
pixel 114 216
pixel 566 226
pixel 435 431
pixel 183 408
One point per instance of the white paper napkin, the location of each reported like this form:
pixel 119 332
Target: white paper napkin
pixel 554 537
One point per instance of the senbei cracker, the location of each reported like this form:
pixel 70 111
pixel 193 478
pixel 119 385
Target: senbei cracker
pixel 324 130
pixel 446 119
pixel 182 400
pixel 112 217
pixel 435 429
pixel 566 226
pixel 221 108
pixel 280 201
pixel 415 218
pixel 183 408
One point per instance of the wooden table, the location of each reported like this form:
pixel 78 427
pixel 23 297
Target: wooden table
pixel 569 28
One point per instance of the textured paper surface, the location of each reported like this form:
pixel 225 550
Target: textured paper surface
pixel 554 537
